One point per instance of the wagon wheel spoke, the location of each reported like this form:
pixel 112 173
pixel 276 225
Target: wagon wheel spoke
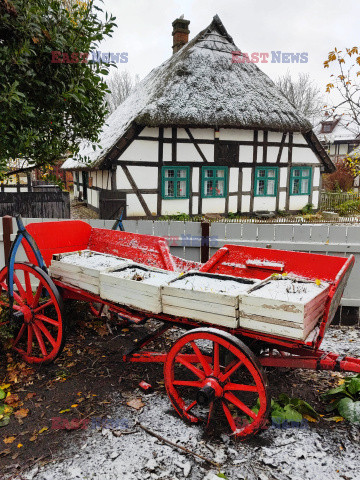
pixel 40 340
pixel 29 340
pixel 19 335
pixel 43 306
pixel 211 409
pixel 19 286
pixel 240 405
pixel 43 318
pixel 29 294
pixel 190 406
pixel 216 354
pixel 204 363
pixel 37 295
pixel 188 383
pixel 191 367
pixel 229 417
pixel 45 331
pixel 230 369
pixel 241 388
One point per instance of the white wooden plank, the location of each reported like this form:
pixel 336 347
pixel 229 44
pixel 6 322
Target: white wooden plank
pixel 227 310
pixel 214 318
pixel 135 300
pixel 200 296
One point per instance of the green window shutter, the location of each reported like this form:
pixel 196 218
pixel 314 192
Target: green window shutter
pixel 266 181
pixel 214 182
pixel 300 180
pixel 175 182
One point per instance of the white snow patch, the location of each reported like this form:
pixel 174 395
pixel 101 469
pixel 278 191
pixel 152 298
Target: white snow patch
pixel 289 289
pixel 149 277
pixel 203 283
pixel 95 260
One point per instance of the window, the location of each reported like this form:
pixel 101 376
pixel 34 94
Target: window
pixel 266 181
pixel 175 182
pixel 326 128
pixel 214 182
pixel 300 181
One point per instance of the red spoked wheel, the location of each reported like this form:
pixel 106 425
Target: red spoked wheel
pixel 210 375
pixel 36 313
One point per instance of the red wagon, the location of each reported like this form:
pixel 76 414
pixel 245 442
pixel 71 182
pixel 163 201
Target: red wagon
pixel 207 368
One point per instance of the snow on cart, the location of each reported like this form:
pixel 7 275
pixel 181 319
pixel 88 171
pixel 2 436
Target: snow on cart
pixel 278 303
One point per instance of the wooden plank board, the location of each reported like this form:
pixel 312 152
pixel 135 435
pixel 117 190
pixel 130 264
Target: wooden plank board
pixel 200 306
pixel 279 330
pixel 200 296
pixel 77 283
pixel 151 303
pixel 216 319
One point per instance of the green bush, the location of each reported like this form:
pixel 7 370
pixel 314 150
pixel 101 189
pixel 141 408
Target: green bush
pixel 350 206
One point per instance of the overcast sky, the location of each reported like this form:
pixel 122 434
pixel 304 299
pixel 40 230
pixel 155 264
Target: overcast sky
pixel 312 26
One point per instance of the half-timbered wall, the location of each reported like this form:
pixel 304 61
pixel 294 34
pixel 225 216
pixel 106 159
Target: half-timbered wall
pixel 138 172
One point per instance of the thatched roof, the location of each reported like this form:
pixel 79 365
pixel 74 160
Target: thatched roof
pixel 199 86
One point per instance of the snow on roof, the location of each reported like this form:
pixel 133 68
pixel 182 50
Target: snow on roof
pixel 199 86
pixel 345 129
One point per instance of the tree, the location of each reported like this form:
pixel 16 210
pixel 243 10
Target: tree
pixel 345 82
pixel 341 180
pixel 302 94
pixel 120 84
pixel 51 97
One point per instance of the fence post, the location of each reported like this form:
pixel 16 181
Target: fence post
pixel 7 231
pixel 204 249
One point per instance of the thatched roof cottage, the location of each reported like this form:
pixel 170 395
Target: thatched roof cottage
pixel 201 134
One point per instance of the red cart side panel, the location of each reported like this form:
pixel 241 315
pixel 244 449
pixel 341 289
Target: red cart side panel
pixel 253 262
pixel 57 237
pixel 146 249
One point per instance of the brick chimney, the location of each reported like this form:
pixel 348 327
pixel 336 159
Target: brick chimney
pixel 180 33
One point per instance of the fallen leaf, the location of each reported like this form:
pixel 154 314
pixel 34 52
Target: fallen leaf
pixel 19 445
pixel 11 399
pixel 33 438
pixel 5 452
pixel 75 405
pixel 135 403
pixel 43 429
pixel 5 386
pixel 9 439
pixel 66 410
pixel 30 395
pixel 309 419
pixel 22 413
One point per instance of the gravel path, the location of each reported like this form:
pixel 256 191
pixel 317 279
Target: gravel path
pixel 127 452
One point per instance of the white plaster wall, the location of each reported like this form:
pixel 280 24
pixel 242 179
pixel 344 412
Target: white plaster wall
pixel 106 183
pixel 133 206
pixel 236 134
pixel 172 207
pixel 303 155
pixel 260 135
pixel 195 206
pixel 246 180
pixel 195 179
pixel 95 198
pixel 343 149
pixel 274 136
pixel 181 133
pixel 299 138
pixel 202 133
pixel 233 204
pixel 272 153
pixel 121 180
pixel 283 177
pixel 245 203
pixel 246 153
pixel 316 181
pixel 75 191
pixel 316 199
pixel 144 177
pixel 141 150
pixel 264 203
pixel 233 179
pixel 260 154
pixel 297 202
pixel 282 200
pixel 150 132
pixel 167 152
pixel 213 205
pixel 151 202
pixel 167 132
pixel 186 152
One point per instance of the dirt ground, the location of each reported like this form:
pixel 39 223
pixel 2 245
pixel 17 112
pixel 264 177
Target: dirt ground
pixel 90 382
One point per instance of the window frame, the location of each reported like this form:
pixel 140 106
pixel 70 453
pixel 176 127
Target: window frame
pixel 176 179
pixel 225 178
pixel 292 177
pixel 257 178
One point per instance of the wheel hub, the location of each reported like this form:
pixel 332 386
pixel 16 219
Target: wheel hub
pixel 27 312
pixel 209 392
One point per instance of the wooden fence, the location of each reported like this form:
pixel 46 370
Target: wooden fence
pixel 43 204
pixel 331 201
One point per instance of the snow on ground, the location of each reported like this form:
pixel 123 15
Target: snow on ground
pixel 127 452
pixel 202 283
